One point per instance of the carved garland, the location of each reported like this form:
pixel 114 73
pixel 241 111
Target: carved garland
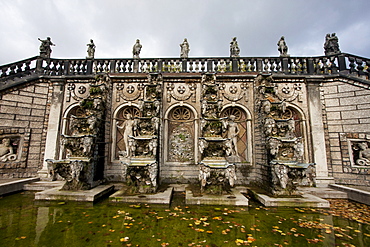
pixel 181 91
pixel 289 91
pixel 76 91
pixel 129 91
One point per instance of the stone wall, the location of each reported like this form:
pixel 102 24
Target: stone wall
pixel 347 110
pixel 24 115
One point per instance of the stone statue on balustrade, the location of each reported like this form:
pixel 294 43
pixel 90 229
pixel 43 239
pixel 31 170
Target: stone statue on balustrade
pixel 90 49
pixel 6 151
pixel 129 127
pixel 331 45
pixel 45 47
pixel 136 49
pixel 184 49
pixel 282 47
pixel 234 48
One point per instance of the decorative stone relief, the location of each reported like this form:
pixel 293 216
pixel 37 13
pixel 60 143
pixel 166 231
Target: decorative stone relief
pixel 282 130
pixel 82 143
pixel 14 144
pixel 128 91
pixel 76 91
pixel 355 149
pixel 181 91
pixel 181 143
pixel 289 91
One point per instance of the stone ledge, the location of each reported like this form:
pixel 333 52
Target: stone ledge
pixel 234 199
pixel 158 198
pixel 354 194
pixel 92 195
pixel 307 200
pixel 10 186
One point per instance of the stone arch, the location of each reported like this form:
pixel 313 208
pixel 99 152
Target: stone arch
pixel 244 120
pixel 74 110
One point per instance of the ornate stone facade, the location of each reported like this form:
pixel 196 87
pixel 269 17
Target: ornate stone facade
pixel 221 121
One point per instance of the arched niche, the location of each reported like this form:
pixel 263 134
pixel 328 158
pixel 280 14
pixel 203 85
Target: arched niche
pixel 181 133
pixel 300 126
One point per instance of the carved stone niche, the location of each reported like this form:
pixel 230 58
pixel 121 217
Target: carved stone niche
pixel 359 150
pixel 355 150
pixel 14 145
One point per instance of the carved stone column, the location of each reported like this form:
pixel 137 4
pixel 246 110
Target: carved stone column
pixel 318 134
pixel 54 121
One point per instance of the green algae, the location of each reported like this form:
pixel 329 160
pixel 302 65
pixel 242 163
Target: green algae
pixel 24 222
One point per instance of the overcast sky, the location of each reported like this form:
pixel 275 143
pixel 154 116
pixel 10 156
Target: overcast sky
pixel 161 25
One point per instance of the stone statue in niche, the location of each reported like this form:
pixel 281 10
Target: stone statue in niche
pixel 291 127
pixel 91 49
pixel 6 151
pixel 274 146
pixel 232 133
pixel 331 45
pixel 203 144
pixel 131 147
pixel 280 175
pixel 155 123
pixel 129 127
pixel 184 49
pixel 282 47
pixel 153 170
pixel 266 107
pixel 231 175
pixel 269 126
pixel 298 150
pixel 45 47
pixel 204 174
pixel 153 144
pixel 136 49
pixel 234 48
pixel 364 154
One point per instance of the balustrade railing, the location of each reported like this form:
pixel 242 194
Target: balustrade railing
pixel 323 65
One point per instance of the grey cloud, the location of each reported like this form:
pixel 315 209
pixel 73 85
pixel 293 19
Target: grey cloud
pixel 161 26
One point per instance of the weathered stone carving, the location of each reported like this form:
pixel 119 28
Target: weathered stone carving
pixel 284 142
pixel 234 48
pixel 232 133
pixel 6 151
pixel 181 145
pixel 331 45
pixel 216 180
pixel 364 154
pixel 130 129
pixel 45 47
pixel 136 49
pixel 83 142
pixel 184 49
pixel 90 49
pixel 282 47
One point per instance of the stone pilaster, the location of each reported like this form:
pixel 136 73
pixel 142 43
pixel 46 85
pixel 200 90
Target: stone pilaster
pixel 54 126
pixel 318 133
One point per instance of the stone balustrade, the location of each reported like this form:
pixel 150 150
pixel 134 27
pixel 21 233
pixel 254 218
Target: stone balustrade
pixel 323 65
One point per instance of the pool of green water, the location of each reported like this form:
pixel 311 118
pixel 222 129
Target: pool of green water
pixel 25 222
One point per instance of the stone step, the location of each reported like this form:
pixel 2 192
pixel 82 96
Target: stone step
pixel 43 185
pixel 13 185
pixel 355 193
pixel 324 192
